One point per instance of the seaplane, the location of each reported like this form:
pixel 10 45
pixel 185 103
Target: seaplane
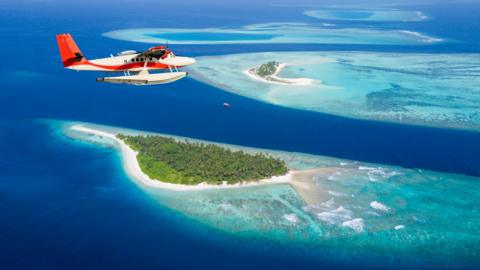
pixel 136 66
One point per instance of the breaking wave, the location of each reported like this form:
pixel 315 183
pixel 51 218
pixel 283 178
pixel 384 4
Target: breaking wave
pixel 292 218
pixel 334 176
pixel 379 206
pixel 355 224
pixel 336 216
pixel 328 203
pixel 335 193
pixel 378 173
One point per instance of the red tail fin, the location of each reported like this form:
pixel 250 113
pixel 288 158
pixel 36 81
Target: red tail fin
pixel 69 51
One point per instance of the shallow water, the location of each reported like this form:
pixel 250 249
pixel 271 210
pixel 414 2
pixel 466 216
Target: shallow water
pixel 286 33
pixel 435 90
pixel 379 15
pixel 211 36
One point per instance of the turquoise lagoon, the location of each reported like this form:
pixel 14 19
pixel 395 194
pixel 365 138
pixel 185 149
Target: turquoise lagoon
pixel 379 15
pixel 274 33
pixel 389 211
pixel 441 90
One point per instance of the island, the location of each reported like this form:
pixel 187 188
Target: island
pixel 184 164
pixel 268 72
pixel 192 163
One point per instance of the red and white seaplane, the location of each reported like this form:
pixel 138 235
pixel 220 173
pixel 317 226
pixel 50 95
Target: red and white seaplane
pixel 134 65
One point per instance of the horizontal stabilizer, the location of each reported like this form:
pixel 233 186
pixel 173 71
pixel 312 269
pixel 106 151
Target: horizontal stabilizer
pixel 143 79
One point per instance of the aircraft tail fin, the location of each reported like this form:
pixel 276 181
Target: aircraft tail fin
pixel 69 51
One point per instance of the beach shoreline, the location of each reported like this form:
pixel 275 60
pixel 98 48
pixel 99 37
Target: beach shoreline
pixel 275 79
pixel 132 167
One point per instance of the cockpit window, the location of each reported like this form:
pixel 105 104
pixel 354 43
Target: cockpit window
pixel 158 54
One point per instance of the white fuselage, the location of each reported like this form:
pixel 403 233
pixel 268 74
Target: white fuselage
pixel 134 62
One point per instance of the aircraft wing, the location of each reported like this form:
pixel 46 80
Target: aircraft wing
pixel 143 79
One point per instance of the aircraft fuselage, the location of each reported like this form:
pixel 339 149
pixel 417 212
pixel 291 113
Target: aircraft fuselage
pixel 133 62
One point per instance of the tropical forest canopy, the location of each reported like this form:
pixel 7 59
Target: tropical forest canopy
pixel 182 162
pixel 267 69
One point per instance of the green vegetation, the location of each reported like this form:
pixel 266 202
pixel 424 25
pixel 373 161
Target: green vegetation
pixel 267 69
pixel 188 163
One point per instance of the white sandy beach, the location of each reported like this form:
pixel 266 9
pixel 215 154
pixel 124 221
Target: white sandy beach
pixel 279 80
pixel 132 167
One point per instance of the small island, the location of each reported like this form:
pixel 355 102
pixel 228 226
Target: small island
pixel 192 163
pixel 268 73
pixel 183 164
pixel 267 70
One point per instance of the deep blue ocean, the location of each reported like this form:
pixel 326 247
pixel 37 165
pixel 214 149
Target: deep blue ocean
pixel 70 205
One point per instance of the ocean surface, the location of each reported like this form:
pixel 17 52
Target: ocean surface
pixel 68 204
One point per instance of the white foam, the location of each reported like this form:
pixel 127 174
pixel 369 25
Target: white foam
pixel 399 227
pixel 328 203
pixel 335 216
pixel 224 206
pixel 378 173
pixel 335 193
pixel 372 178
pixel 291 217
pixel 379 206
pixel 421 16
pixel 366 168
pixel 333 176
pixel 420 36
pixel 355 224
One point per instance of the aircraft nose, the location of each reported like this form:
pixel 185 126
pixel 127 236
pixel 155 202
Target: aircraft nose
pixel 189 61
pixel 179 61
pixel 184 61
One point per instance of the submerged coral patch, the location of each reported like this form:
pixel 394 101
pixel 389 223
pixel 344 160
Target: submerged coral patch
pixel 379 15
pixel 273 33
